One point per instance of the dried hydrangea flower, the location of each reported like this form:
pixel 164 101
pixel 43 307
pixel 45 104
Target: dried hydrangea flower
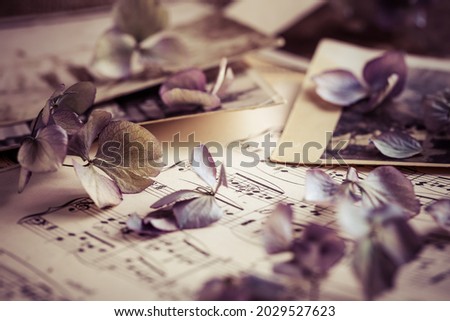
pixel 384 78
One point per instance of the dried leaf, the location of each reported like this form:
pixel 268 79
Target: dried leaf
pixel 139 18
pixel 440 211
pixel 320 188
pixel 102 190
pixel 198 212
pixel 127 151
pixel 81 142
pixel 112 55
pixel 377 72
pixel 177 196
pixel 339 87
pixel 277 231
pixel 437 111
pixel 186 99
pixel 78 97
pixel 374 268
pixel 46 152
pixel 203 165
pixel 387 185
pixel 397 145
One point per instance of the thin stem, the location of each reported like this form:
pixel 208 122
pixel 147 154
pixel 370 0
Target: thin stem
pixel 67 165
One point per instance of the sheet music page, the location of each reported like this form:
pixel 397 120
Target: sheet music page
pixel 55 244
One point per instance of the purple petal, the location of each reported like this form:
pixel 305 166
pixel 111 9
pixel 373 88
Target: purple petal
pixel 399 240
pixel 162 220
pixel 198 212
pixel 291 269
pixel 165 48
pixel 320 188
pixel 185 98
pixel 134 223
pixel 112 55
pixel 46 152
pixel 78 97
pixel 277 231
pixel 177 196
pixel 81 142
pixel 440 211
pixel 68 120
pixel 387 185
pixel 397 145
pixel 24 178
pixel 352 175
pixel 192 79
pixel 377 72
pixel 353 220
pixel 437 111
pixel 373 267
pixel 102 190
pixel 203 165
pixel 318 250
pixel 339 87
pixel 379 96
pixel 222 181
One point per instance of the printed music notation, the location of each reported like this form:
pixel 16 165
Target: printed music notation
pixel 92 256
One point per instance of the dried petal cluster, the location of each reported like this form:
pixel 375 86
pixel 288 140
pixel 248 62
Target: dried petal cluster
pixel 375 213
pixel 186 209
pixel 116 167
pixel 187 90
pixel 136 41
pixel 314 252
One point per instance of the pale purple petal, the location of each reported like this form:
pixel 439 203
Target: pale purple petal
pixel 374 268
pixel 112 55
pixel 379 96
pixel 186 98
pixel 353 220
pixel 192 79
pixel 222 181
pixel 387 185
pixel 198 212
pixel 339 87
pixel 320 188
pixel 318 250
pixel 165 48
pixel 102 190
pixel 399 240
pixel 397 145
pixel 24 178
pixel 46 152
pixel 277 231
pixel 162 220
pixel 352 175
pixel 81 142
pixel 134 223
pixel 203 165
pixel 177 196
pixel 440 211
pixel 437 111
pixel 377 72
pixel 68 120
pixel 290 268
pixel 78 97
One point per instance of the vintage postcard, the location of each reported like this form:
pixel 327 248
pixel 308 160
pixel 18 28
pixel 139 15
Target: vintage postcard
pixel 321 133
pixel 39 55
pixel 247 90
